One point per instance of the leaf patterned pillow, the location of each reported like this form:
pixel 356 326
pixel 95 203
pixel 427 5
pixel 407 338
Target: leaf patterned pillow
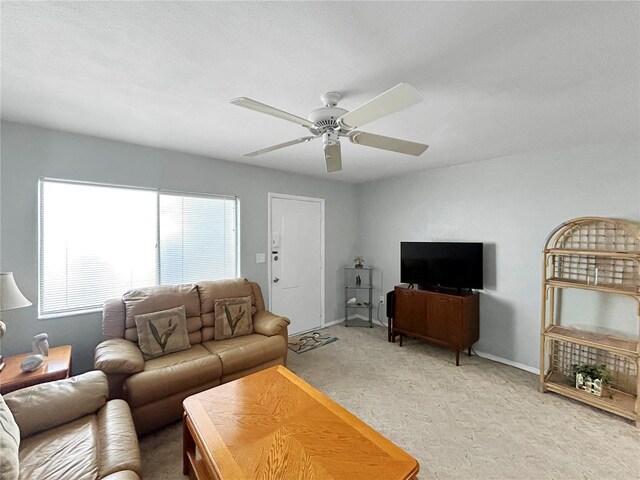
pixel 164 332
pixel 232 317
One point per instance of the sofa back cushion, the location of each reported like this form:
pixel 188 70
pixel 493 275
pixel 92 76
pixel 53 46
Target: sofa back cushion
pixel 9 444
pixel 118 315
pixel 163 297
pixel 47 405
pixel 210 291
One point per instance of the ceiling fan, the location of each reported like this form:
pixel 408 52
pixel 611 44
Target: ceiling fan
pixel 332 122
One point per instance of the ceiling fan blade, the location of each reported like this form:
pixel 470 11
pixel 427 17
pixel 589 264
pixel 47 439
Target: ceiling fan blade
pixel 401 96
pixel 274 112
pixel 279 146
pixel 388 143
pixel 333 157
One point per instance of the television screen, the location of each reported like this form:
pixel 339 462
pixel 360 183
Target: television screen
pixel 441 264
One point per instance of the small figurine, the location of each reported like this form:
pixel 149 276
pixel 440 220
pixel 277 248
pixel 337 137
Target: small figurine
pixel 358 281
pixel 32 363
pixel 40 348
pixel 40 344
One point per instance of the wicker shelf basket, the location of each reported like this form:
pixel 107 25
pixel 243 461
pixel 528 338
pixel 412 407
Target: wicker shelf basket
pixel 598 254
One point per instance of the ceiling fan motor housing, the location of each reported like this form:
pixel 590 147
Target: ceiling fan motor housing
pixel 326 117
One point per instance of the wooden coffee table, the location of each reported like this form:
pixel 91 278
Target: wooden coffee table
pixel 272 424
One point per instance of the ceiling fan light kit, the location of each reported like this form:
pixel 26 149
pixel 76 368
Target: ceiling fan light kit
pixel 332 122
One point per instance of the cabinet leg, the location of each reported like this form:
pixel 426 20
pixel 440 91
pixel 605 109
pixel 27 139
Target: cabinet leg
pixel 469 352
pixel 457 358
pixel 400 339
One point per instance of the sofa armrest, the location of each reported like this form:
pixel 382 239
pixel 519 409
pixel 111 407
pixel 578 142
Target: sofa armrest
pixel 49 405
pixel 122 475
pixel 266 323
pixel 118 356
pixel 117 440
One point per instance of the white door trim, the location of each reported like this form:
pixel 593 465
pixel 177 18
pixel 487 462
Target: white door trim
pixel 285 196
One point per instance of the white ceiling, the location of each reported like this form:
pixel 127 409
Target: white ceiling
pixel 498 78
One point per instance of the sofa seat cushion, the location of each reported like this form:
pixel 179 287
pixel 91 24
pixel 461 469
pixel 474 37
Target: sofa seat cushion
pixel 247 351
pixel 62 453
pixel 170 374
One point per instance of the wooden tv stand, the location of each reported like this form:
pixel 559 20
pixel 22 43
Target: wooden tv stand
pixel 447 319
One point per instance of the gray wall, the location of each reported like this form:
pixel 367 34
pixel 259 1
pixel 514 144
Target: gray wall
pixel 510 204
pixel 30 152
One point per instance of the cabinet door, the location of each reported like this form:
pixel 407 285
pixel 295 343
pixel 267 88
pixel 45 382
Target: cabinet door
pixel 410 311
pixel 444 319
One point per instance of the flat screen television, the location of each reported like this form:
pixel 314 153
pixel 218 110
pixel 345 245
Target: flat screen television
pixel 441 264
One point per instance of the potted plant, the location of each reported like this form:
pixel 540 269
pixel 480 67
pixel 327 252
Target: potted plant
pixel 359 261
pixel 590 377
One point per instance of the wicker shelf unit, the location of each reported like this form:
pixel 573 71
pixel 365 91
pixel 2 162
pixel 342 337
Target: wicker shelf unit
pixel 598 254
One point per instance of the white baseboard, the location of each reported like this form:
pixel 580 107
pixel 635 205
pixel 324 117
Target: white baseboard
pixel 341 320
pixel 488 356
pixel 511 363
pixel 333 322
pixel 329 324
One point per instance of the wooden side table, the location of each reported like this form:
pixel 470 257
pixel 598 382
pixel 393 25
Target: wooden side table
pixel 55 367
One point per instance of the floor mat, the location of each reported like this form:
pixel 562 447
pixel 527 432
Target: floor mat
pixel 309 341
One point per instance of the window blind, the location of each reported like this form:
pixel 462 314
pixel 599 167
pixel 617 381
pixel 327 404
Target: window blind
pixel 97 241
pixel 198 238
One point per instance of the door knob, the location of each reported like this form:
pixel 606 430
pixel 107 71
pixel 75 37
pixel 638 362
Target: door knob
pixel 276 280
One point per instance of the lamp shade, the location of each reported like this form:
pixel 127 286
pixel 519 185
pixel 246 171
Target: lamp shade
pixel 10 295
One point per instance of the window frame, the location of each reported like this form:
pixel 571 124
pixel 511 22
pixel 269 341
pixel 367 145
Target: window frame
pixel 158 192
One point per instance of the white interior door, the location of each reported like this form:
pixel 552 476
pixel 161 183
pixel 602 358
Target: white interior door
pixel 296 259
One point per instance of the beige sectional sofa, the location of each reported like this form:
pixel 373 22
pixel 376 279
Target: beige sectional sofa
pixel 69 431
pixel 155 389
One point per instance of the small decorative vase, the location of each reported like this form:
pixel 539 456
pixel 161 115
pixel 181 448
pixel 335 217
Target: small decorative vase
pixel 594 387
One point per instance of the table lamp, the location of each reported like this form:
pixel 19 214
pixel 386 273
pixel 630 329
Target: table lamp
pixel 10 298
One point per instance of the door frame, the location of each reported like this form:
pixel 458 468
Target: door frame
pixel 271 196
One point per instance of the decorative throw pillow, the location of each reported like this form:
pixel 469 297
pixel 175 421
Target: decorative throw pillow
pixel 164 332
pixel 9 444
pixel 233 317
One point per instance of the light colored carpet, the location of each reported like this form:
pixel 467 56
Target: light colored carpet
pixel 482 420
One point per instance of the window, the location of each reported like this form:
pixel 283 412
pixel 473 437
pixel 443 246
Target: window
pixel 97 241
pixel 197 238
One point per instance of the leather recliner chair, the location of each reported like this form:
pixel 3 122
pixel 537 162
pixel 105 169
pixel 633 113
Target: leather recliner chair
pixel 69 431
